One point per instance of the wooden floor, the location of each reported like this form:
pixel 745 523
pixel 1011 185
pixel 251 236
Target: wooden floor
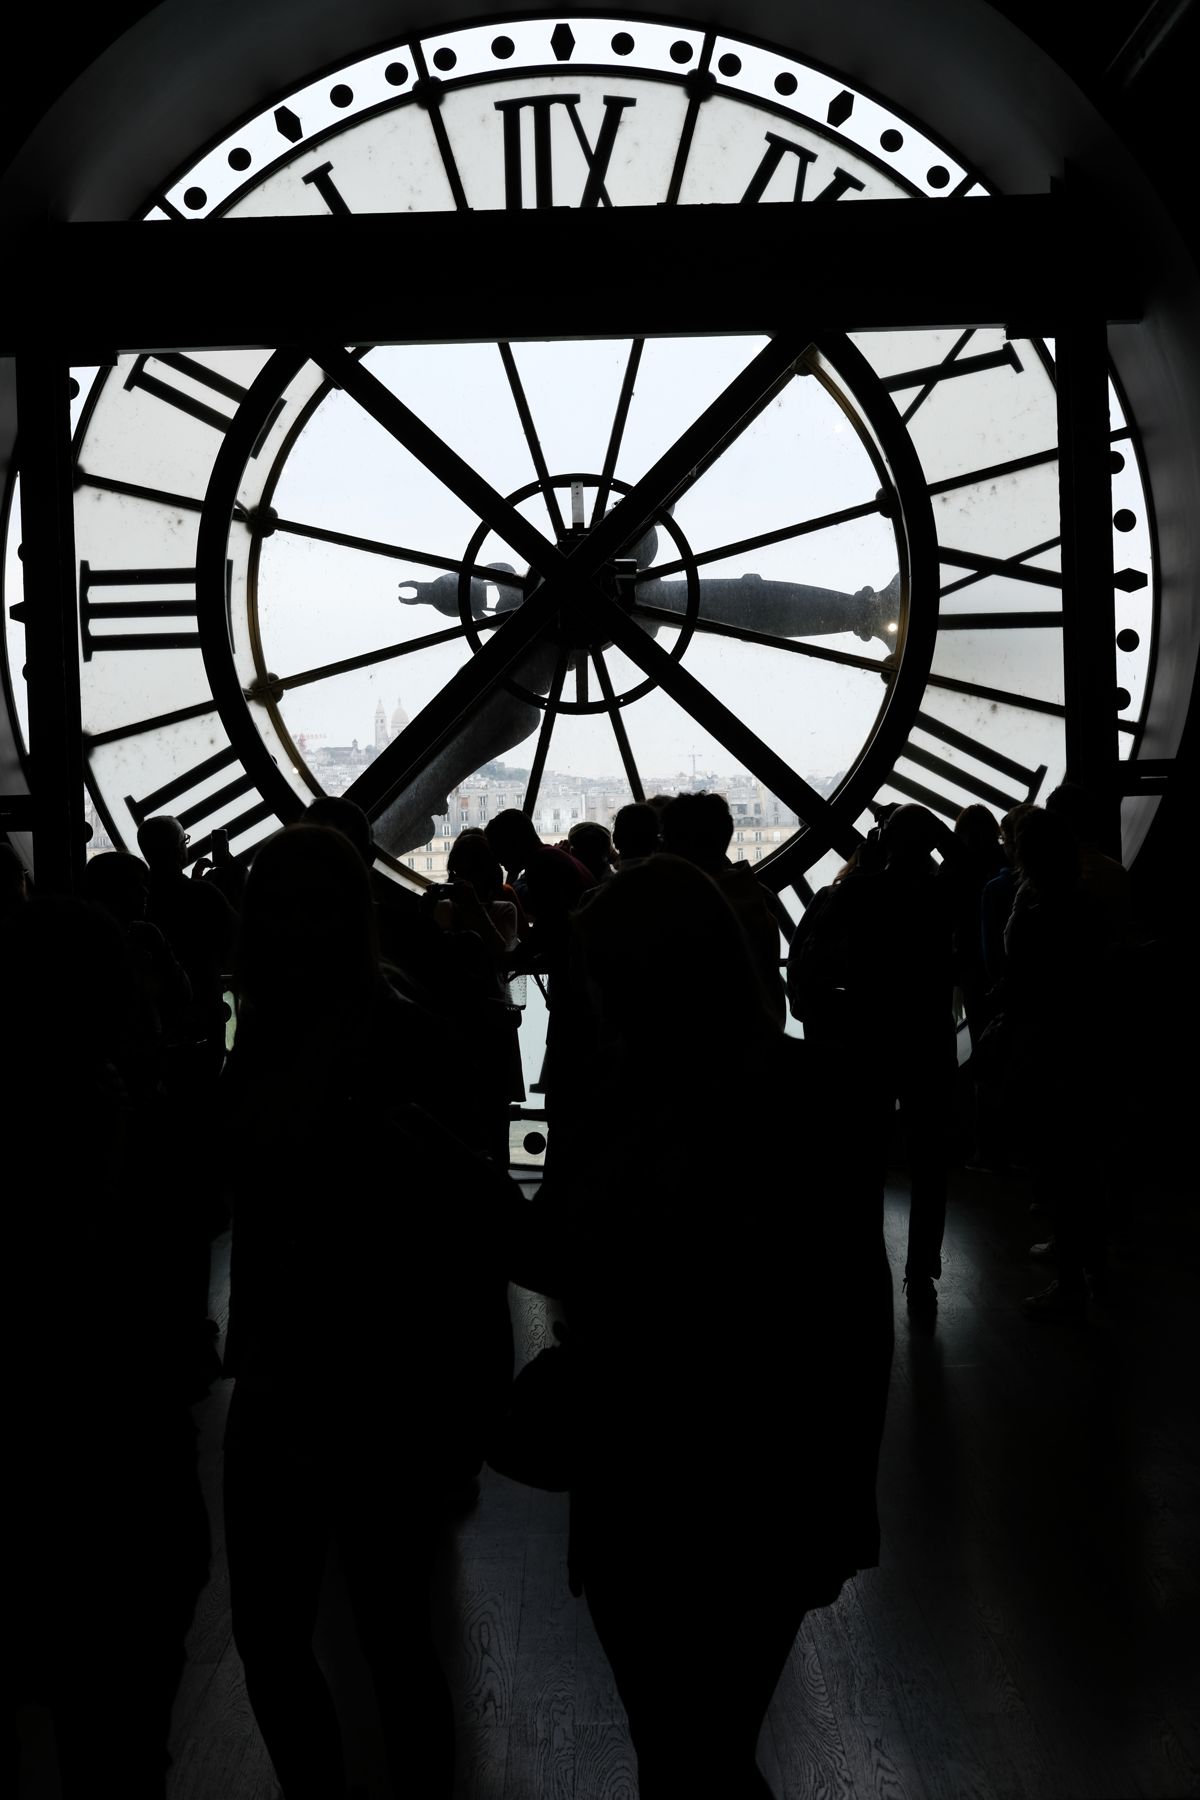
pixel 1031 1633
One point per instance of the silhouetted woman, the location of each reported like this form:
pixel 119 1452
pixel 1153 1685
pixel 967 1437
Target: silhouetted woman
pixel 108 1531
pixel 1058 1000
pixel 729 1309
pixel 357 1223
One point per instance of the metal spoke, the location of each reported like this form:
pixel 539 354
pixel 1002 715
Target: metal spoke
pixel 718 426
pixel 823 523
pixel 438 124
pixel 744 635
pixel 398 552
pixel 531 436
pixel 581 681
pixel 624 400
pixel 137 491
pixel 368 659
pixel 544 735
pixel 684 147
pixel 618 725
pixel 400 422
pixel 394 768
pixel 730 731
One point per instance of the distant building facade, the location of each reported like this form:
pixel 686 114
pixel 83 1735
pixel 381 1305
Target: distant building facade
pixel 761 821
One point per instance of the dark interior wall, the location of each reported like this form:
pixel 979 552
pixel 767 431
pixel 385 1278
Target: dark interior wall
pixel 137 88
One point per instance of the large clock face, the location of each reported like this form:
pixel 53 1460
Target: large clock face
pixel 816 575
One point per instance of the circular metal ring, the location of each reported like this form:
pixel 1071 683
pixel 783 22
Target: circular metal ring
pixel 687 619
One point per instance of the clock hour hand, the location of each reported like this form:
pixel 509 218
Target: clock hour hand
pixel 502 720
pixel 442 593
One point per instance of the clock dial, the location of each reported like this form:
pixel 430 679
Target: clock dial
pixel 156 740
pixel 308 570
pixel 803 489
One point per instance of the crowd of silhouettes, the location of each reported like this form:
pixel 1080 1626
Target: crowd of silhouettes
pixel 326 1062
pixel 1020 930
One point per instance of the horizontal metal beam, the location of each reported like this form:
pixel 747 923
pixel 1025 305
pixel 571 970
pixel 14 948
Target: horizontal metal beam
pixel 1024 262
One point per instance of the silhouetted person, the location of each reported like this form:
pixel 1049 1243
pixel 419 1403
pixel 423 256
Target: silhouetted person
pixel 408 945
pixel 724 1478
pixel 120 884
pixel 347 817
pixel 992 1051
pixel 591 843
pixel 1133 985
pixel 343 1427
pixel 155 999
pixel 1059 1009
pixel 699 828
pixel 1104 888
pixel 476 897
pixel 977 858
pixel 549 883
pixel 452 976
pixel 198 923
pixel 880 947
pixel 107 1523
pixel 996 900
pixel 477 918
pixel 635 833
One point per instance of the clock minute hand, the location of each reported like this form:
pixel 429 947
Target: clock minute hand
pixel 783 608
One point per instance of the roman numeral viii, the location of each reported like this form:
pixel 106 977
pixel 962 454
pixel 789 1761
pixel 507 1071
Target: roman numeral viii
pixel 147 373
pixel 206 809
pixel 1026 782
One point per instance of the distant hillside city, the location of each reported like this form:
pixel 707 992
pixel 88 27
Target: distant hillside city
pixel 761 821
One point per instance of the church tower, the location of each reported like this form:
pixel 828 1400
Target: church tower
pixel 382 739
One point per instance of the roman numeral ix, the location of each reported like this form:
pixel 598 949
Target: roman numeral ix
pixel 597 155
